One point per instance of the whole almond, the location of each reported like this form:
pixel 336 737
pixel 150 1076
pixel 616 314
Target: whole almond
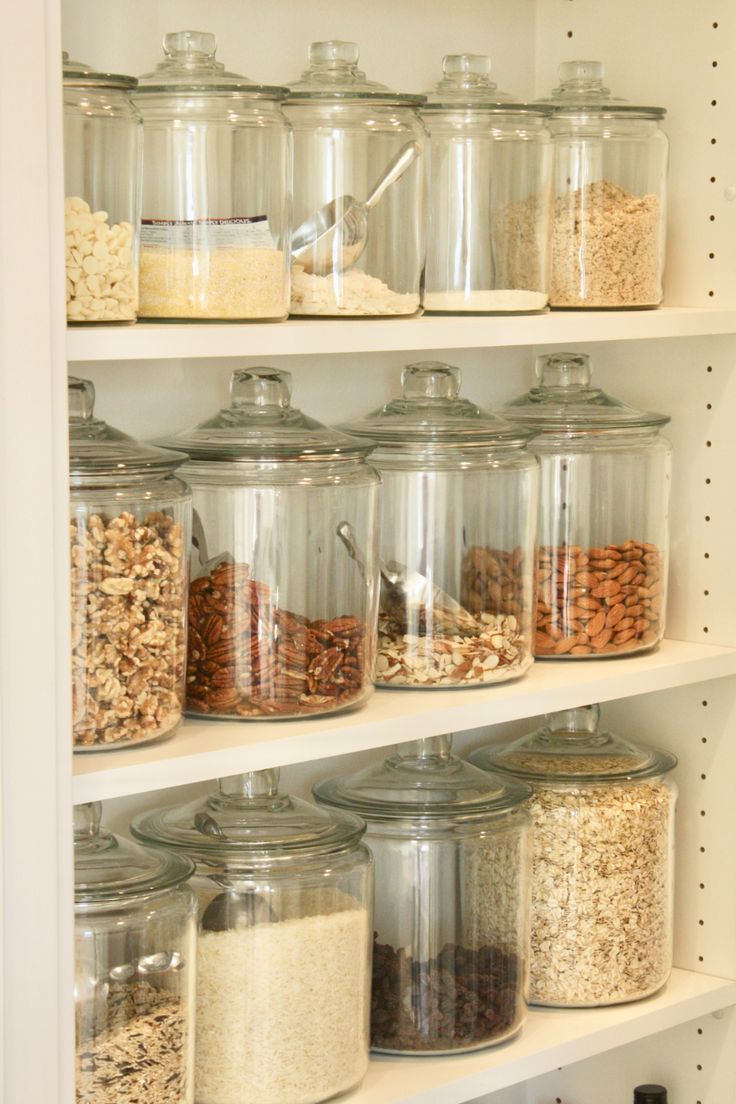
pixel 597 624
pixel 615 614
pixel 581 649
pixel 599 642
pixel 566 644
pixel 623 637
pixel 606 589
pixel 586 579
pixel 589 603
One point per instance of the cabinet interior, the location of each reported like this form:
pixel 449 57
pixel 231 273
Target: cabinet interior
pixel 658 52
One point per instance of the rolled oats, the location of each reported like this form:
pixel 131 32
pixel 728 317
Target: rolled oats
pixel 128 587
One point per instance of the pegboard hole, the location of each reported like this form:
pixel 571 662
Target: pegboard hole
pixel 714 103
pixel 698 1066
pixel 713 141
pixel 712 180
pixel 707 517
pixel 709 406
pixel 712 218
pixel 705 628
pixel 702 885
pixel 700 959
pixel 702 850
pixel 709 444
pixel 700 1030
pixel 704 702
pixel 701 923
pixel 711 294
pixel 706 555
pixel 711 256
pixel 714 64
pixel 702 812
pixel 707 594
pixel 715 25
pixel 704 739
pixel 710 366
pixel 569 34
pixel 707 481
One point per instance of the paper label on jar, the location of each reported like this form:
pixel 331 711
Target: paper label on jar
pixel 244 233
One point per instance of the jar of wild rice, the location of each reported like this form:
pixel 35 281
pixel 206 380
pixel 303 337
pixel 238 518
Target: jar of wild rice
pixel 602 812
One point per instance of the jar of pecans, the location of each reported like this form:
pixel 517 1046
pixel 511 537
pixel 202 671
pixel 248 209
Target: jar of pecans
pixel 282 616
pixel 603 530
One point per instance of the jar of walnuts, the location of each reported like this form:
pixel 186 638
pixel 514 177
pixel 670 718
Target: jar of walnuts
pixel 129 536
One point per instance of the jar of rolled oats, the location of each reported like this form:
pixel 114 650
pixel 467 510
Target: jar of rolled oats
pixel 602 878
pixel 129 535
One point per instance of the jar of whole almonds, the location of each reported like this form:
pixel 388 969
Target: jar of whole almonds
pixel 458 522
pixel 450 846
pixel 602 845
pixel 102 182
pixel 283 600
pixel 603 514
pixel 285 894
pixel 135 943
pixel 609 206
pixel 129 538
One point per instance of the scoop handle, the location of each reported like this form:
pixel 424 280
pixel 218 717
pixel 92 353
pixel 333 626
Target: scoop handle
pixel 394 171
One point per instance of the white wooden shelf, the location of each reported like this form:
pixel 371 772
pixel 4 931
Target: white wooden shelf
pixel 162 341
pixel 551 1038
pixel 207 749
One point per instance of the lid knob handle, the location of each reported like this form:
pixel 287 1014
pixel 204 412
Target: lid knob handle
pixel 260 783
pixel 567 370
pixel 334 54
pixel 467 65
pixel 581 72
pixel 87 819
pixel 429 747
pixel 81 393
pixel 260 387
pixel 581 722
pixel 431 379
pixel 190 43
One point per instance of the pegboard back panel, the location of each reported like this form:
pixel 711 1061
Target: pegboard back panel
pixel 682 57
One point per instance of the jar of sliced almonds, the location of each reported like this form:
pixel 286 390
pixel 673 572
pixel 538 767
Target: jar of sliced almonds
pixel 603 535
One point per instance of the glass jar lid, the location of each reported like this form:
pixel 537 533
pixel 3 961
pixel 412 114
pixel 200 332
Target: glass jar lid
pixel 249 821
pixel 566 402
pixel 79 75
pixel 261 424
pixel 430 411
pixel 467 84
pixel 97 449
pixel 190 65
pixel 572 747
pixel 109 868
pixel 422 779
pixel 333 74
pixel 581 90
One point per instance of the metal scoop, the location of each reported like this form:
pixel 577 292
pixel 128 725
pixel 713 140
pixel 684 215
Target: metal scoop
pixel 334 238
pixel 403 590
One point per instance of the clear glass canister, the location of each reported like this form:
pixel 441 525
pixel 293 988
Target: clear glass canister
pixel 129 532
pixel 216 189
pixel 283 966
pixel 282 617
pixel 135 932
pixel 490 177
pixel 603 536
pixel 102 182
pixel 459 509
pixel 358 242
pixel 602 813
pixel 610 191
pixel 450 927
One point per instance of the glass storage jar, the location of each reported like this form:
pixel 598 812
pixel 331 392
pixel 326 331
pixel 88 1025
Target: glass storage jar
pixel 102 183
pixel 603 536
pixel 282 621
pixel 602 812
pixel 609 204
pixel 129 533
pixel 348 133
pixel 450 926
pixel 134 958
pixel 216 189
pixel 490 175
pixel 459 507
pixel 283 966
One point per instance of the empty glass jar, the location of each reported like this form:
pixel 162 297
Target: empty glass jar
pixel 283 966
pixel 603 532
pixel 459 508
pixel 609 205
pixel 450 926
pixel 129 537
pixel 490 174
pixel 283 602
pixel 602 847
pixel 349 133
pixel 216 189
pixel 102 182
pixel 134 968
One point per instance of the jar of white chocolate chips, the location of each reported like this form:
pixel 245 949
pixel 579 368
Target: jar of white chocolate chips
pixel 102 180
pixel 129 541
pixel 459 509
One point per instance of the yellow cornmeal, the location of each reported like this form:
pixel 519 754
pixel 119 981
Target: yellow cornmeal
pixel 221 283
